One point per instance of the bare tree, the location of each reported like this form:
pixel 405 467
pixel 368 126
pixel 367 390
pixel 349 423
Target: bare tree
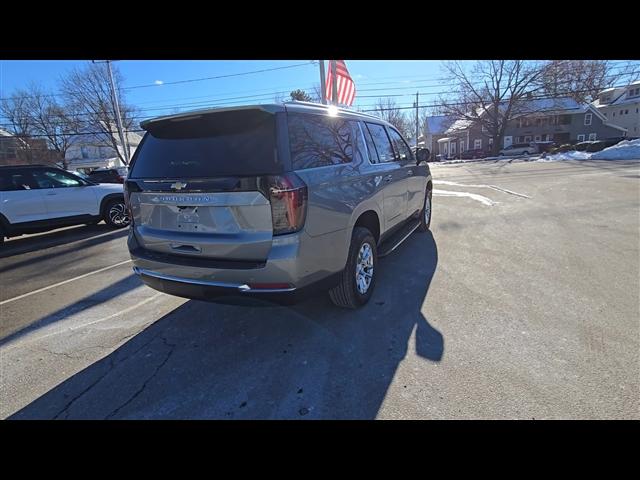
pixel 317 93
pixel 55 122
pixel 15 110
pixel 88 92
pixel 581 80
pixel 492 93
pixel 387 109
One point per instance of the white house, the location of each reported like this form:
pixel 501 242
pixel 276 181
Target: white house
pixel 621 106
pixel 90 151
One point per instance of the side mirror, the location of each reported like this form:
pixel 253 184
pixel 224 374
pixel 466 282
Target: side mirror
pixel 422 155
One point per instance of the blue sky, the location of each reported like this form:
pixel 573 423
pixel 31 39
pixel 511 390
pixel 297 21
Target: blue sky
pixel 373 79
pixel 402 76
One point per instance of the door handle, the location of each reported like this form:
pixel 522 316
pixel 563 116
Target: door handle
pixel 388 178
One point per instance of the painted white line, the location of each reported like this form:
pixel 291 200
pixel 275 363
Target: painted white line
pixel 493 187
pixel 473 196
pixel 28 338
pixel 62 283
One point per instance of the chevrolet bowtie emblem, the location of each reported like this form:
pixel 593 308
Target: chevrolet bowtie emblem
pixel 178 185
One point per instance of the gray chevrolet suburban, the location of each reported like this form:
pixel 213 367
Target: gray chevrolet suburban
pixel 272 201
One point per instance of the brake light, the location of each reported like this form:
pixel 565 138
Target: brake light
pixel 288 198
pixel 130 186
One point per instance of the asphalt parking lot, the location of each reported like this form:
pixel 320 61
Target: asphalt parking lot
pixel 523 302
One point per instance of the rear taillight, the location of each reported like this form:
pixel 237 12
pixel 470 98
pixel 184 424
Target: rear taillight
pixel 288 197
pixel 130 186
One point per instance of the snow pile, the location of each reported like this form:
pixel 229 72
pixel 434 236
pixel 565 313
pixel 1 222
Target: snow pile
pixel 566 156
pixel 625 150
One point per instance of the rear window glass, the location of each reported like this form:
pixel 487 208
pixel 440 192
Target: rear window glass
pixel 241 142
pixel 321 140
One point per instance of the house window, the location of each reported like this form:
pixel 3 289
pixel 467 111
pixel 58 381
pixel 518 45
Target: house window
pixel 621 112
pixel 605 114
pixel 461 146
pixel 614 114
pixel 581 138
pixel 592 137
pixel 477 144
pixel 527 138
pixel 626 112
pixel 587 118
pixel 84 151
pixel 491 141
pixel 538 138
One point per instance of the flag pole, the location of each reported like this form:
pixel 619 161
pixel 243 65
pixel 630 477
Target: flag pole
pixel 334 84
pixel 323 85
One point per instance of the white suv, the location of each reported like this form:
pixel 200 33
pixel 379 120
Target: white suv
pixel 37 198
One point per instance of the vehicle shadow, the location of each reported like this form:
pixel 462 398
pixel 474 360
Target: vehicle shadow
pixel 309 361
pixel 32 243
pixel 82 238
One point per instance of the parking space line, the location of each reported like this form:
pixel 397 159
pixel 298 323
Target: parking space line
pixel 473 196
pixel 62 283
pixel 493 187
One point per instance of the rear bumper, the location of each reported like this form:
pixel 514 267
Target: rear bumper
pixel 201 279
pixel 218 291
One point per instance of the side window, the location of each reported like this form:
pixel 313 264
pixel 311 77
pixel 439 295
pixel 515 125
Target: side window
pixel 381 142
pixel 401 147
pixel 373 153
pixel 12 180
pixel 319 140
pixel 55 179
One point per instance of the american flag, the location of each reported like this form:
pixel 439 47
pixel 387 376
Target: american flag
pixel 346 88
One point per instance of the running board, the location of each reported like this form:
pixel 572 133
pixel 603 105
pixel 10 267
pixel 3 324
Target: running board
pixel 393 242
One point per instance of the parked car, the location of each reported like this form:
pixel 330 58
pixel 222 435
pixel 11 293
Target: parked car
pixel 79 174
pixel 472 154
pixel 108 175
pixel 519 149
pixel 272 201
pixel 37 198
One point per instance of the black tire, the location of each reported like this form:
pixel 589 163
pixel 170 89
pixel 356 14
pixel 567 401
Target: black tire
pixel 346 293
pixel 425 223
pixel 116 214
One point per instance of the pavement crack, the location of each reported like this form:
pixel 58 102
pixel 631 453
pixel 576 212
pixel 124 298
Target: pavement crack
pixel 144 385
pixel 77 397
pixel 112 364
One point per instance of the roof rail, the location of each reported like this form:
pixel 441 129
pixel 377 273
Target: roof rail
pixel 322 105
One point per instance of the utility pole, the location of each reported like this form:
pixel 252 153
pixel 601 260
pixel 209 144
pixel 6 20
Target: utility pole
pixel 334 84
pixel 125 146
pixel 116 105
pixel 417 120
pixel 323 85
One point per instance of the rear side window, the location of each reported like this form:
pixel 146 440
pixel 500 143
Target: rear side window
pixel 321 140
pixel 381 141
pixel 233 143
pixel 12 180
